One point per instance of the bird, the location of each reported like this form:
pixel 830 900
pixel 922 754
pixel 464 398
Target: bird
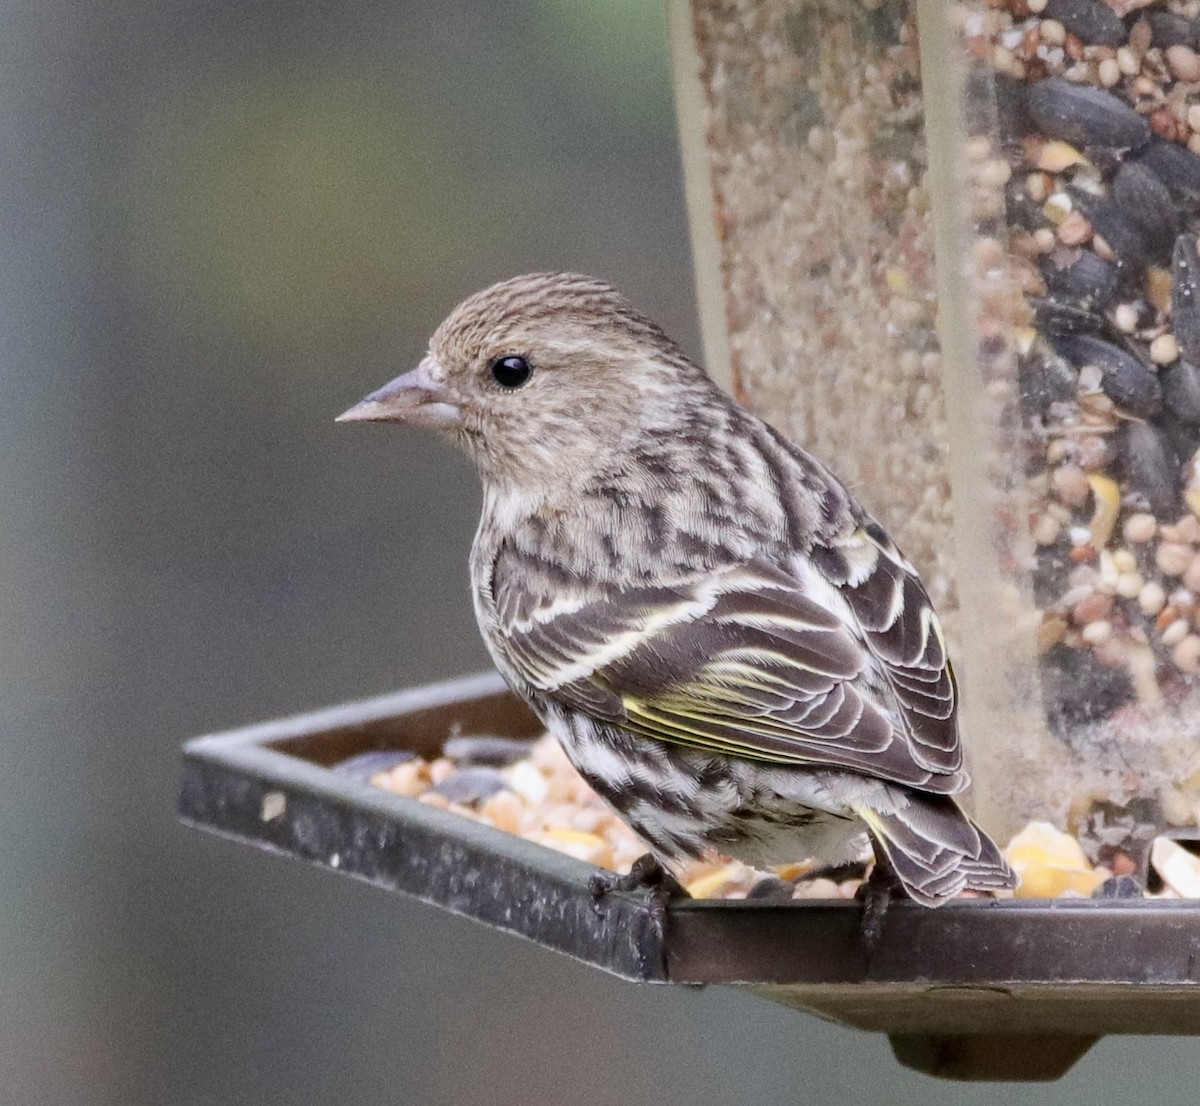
pixel 732 652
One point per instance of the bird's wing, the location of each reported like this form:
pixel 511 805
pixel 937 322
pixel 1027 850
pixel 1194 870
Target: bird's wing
pixel 897 621
pixel 757 663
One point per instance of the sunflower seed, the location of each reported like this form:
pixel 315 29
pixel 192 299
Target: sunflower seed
pixel 1145 201
pixel 1177 167
pixel 1180 438
pixel 1079 690
pixel 1055 318
pixel 365 765
pixel 1088 281
pixel 1132 387
pixel 1181 391
pixel 496 752
pixel 1185 296
pixel 1089 20
pixel 470 785
pixel 1009 97
pixel 1151 469
pixel 1130 249
pixel 771 887
pixel 1044 378
pixel 1085 116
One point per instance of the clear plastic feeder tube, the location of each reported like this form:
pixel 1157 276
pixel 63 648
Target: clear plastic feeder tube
pixel 957 249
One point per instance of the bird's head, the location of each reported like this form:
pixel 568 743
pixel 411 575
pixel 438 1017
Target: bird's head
pixel 542 377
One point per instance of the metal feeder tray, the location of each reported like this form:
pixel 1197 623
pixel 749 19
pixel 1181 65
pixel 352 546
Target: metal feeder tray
pixel 980 990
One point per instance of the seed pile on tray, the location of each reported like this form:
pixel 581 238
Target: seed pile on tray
pixel 529 788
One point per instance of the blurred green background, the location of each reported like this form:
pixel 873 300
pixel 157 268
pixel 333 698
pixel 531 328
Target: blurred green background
pixel 223 223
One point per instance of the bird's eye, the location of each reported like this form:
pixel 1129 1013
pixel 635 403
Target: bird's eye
pixel 510 372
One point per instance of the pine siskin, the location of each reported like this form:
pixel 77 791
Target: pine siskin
pixel 731 650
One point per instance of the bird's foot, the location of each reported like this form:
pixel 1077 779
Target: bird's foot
pixel 646 874
pixel 876 894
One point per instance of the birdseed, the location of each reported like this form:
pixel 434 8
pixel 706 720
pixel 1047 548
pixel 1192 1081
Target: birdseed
pixel 541 798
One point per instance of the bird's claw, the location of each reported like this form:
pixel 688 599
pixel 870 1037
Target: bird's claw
pixel 876 894
pixel 646 875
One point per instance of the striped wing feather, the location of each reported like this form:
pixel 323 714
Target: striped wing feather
pixel 750 664
pixel 902 631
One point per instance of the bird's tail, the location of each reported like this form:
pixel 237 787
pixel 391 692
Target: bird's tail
pixel 936 850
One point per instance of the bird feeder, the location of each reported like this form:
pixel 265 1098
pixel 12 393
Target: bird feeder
pixel 973 990
pixel 953 249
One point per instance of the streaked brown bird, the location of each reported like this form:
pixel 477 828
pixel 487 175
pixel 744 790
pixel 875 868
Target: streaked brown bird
pixel 732 652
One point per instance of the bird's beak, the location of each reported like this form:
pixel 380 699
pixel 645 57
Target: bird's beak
pixel 419 398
